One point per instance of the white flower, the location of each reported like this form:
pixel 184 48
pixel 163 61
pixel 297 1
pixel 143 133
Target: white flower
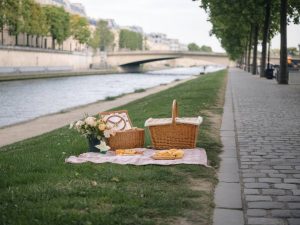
pixel 107 133
pixel 103 147
pixel 91 121
pixel 79 123
pixel 72 125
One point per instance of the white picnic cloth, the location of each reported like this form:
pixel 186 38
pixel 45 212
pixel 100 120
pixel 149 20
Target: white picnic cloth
pixel 191 156
pixel 182 120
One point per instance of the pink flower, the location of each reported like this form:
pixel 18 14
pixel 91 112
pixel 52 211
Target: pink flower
pixel 91 121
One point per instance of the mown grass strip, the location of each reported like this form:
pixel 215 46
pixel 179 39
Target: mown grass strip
pixel 37 187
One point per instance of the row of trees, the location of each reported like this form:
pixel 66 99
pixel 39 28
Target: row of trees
pixel 30 18
pixel 195 48
pixel 36 21
pixel 239 25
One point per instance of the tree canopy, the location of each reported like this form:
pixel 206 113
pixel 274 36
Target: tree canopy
pixel 29 17
pixel 102 37
pixel 80 28
pixel 59 23
pixel 130 40
pixel 195 48
pixel 240 24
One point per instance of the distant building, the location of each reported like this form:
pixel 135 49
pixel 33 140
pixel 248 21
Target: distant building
pixel 151 41
pixel 157 37
pixel 136 29
pixel 160 42
pixel 111 23
pixel 73 8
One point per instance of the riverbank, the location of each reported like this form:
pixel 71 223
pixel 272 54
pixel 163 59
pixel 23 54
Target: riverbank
pixel 41 75
pixel 43 124
pixel 48 191
pixel 31 75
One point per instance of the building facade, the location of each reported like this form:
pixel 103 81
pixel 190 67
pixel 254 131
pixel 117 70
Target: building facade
pixel 46 42
pixel 160 42
pixel 151 41
pixel 73 8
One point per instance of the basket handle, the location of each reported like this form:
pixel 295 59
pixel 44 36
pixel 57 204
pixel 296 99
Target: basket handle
pixel 174 111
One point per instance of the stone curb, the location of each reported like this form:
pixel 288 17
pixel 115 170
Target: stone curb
pixel 228 201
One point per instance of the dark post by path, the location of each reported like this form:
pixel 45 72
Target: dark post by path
pixel 265 37
pixel 254 62
pixel 283 77
pixel 249 49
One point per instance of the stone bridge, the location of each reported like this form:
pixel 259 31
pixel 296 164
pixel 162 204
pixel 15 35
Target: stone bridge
pixel 131 61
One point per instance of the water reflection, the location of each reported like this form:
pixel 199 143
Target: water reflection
pixel 28 99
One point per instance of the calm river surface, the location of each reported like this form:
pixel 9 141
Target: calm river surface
pixel 28 99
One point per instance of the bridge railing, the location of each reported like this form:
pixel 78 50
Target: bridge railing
pixel 166 53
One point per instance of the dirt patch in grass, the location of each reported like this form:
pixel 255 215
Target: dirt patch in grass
pixel 221 94
pixel 200 185
pixel 214 120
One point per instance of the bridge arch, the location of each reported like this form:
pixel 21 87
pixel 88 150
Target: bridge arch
pixel 131 61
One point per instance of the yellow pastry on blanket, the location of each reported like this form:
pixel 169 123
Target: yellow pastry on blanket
pixel 169 154
pixel 178 153
pixel 128 152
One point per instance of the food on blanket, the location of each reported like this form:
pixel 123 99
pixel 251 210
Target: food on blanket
pixel 128 152
pixel 169 154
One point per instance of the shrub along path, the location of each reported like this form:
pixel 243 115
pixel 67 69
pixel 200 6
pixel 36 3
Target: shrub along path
pixel 37 187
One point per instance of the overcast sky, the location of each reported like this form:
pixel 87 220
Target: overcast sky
pixel 181 19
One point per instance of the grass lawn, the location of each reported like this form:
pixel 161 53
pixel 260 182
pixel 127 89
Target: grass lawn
pixel 37 187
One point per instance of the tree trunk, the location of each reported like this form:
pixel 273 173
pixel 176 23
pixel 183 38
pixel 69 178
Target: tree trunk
pixel 249 49
pixel 265 38
pixel 17 37
pixel 2 34
pixel 245 55
pixel 269 52
pixel 283 77
pixel 37 41
pixel 27 40
pixel 53 43
pixel 254 62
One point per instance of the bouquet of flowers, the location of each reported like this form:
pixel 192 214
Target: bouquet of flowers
pixel 94 128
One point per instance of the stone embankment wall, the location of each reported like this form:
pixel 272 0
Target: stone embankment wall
pixel 15 57
pixel 181 62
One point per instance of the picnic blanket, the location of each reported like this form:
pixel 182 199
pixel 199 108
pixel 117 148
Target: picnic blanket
pixel 191 156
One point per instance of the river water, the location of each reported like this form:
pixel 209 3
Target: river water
pixel 28 99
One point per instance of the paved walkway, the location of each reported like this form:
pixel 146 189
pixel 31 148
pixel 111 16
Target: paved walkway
pixel 44 124
pixel 261 137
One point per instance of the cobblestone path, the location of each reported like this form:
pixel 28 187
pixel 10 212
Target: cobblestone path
pixel 267 119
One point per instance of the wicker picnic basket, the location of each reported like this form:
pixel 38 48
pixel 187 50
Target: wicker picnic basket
pixel 133 138
pixel 174 132
pixel 126 136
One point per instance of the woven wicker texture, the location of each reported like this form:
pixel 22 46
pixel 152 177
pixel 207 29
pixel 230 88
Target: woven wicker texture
pixel 174 135
pixel 127 139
